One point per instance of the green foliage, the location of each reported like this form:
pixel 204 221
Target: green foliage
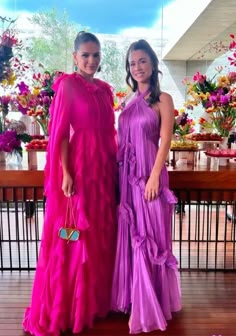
pixel 113 67
pixel 24 137
pixel 53 48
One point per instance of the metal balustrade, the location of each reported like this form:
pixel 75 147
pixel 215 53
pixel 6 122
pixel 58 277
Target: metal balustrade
pixel 21 221
pixel 203 237
pixel 204 234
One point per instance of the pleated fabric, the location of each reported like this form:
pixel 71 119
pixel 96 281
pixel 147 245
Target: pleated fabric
pixel 146 280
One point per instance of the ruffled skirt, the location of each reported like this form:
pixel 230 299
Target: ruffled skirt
pixel 73 280
pixel 146 281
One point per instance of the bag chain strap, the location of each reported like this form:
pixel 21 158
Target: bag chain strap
pixel 70 212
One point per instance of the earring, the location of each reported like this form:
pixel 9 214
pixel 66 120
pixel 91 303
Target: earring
pixel 99 68
pixel 75 67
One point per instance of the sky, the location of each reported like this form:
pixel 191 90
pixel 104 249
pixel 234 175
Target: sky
pixel 114 17
pixel 102 16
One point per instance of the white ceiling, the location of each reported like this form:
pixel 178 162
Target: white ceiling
pixel 202 40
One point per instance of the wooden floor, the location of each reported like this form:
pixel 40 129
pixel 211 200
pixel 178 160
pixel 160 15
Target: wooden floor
pixel 209 306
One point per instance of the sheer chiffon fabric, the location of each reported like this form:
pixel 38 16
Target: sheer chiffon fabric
pixel 73 281
pixel 146 280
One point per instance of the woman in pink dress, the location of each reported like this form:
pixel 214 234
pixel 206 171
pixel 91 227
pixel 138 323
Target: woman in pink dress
pixel 146 281
pixel 73 280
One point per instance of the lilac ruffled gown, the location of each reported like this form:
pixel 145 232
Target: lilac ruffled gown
pixel 146 280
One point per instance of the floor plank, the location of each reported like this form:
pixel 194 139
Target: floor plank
pixel 209 306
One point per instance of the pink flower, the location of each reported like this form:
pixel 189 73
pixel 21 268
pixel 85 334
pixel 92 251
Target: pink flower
pixel 199 78
pixel 9 141
pixel 232 77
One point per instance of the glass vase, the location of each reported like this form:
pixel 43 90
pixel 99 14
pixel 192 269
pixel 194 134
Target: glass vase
pixel 14 159
pixel 223 145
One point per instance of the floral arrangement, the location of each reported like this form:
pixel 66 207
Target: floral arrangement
pixel 11 67
pixel 7 75
pixel 217 95
pixel 20 93
pixel 183 125
pixel 7 42
pixel 11 64
pixel 35 101
pixel 12 138
pixel 119 100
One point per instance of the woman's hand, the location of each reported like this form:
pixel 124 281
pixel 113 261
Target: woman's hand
pixel 152 187
pixel 67 185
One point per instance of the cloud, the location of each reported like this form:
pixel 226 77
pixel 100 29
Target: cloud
pixel 168 24
pixel 175 24
pixel 22 23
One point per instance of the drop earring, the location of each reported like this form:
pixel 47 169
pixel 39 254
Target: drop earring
pixel 75 67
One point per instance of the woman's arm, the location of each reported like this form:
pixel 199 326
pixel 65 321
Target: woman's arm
pixel 67 182
pixel 166 110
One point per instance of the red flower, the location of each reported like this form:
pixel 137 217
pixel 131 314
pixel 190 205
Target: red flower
pixel 176 112
pixel 202 120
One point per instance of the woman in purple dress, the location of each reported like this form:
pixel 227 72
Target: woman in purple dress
pixel 146 280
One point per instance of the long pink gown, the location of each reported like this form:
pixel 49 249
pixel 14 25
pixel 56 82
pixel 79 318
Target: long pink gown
pixel 73 281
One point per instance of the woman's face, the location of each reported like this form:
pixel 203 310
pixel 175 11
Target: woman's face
pixel 140 66
pixel 87 58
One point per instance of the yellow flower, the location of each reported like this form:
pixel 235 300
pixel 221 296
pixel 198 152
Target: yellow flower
pixel 36 90
pixel 223 81
pixel 116 105
pixel 203 96
pixel 10 80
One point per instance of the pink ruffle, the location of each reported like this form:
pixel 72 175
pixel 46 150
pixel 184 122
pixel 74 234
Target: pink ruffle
pixel 73 281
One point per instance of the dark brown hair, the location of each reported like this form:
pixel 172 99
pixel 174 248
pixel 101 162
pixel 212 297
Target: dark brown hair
pixel 84 37
pixel 154 80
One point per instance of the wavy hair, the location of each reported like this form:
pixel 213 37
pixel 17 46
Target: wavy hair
pixel 154 80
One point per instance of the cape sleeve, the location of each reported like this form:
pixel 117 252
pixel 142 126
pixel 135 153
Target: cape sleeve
pixel 59 129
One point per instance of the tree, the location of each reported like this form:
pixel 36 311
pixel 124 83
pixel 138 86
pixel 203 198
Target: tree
pixel 52 48
pixel 113 68
pixel 53 45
